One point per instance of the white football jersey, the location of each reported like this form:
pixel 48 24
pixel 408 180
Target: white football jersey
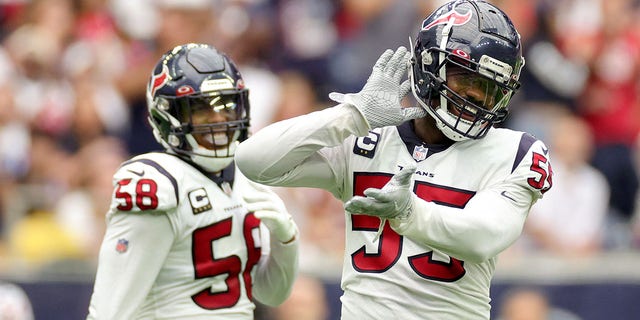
pixel 439 265
pixel 180 246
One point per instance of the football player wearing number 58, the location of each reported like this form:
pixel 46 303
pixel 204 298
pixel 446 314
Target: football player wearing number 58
pixel 434 192
pixel 188 236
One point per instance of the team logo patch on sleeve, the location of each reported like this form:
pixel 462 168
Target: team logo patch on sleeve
pixel 366 146
pixel 199 201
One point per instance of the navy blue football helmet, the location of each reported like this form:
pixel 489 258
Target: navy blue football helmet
pixel 198 105
pixel 476 44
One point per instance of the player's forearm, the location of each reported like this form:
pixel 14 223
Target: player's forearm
pixel 277 149
pixel 126 272
pixel 275 275
pixel 480 231
pixel 119 291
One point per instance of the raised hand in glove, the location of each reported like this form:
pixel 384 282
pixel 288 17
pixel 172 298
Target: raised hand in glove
pixel 379 99
pixel 271 211
pixel 393 201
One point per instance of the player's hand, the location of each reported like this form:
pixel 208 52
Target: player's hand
pixel 379 99
pixel 393 201
pixel 272 212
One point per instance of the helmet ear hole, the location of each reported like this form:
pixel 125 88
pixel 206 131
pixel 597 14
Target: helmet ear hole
pixel 174 141
pixel 427 58
pixel 162 104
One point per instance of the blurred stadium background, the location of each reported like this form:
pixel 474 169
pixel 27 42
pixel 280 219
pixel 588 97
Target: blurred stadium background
pixel 72 86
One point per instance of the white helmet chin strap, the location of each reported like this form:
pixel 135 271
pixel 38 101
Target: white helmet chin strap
pixel 462 125
pixel 210 160
pixel 212 164
pixel 442 113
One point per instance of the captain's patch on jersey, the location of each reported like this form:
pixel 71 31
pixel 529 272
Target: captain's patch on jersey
pixel 199 201
pixel 366 146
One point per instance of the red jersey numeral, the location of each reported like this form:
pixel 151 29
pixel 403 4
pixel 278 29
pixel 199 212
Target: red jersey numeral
pixel 146 197
pixel 207 265
pixel 390 242
pixel 545 174
pixel 389 246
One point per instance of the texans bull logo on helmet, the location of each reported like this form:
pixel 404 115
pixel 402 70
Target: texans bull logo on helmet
pixel 458 19
pixel 159 80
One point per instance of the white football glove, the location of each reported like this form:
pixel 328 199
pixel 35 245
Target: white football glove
pixel 272 212
pixel 379 99
pixel 393 201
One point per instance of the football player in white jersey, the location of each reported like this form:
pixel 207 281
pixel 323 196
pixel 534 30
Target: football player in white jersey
pixel 433 193
pixel 184 237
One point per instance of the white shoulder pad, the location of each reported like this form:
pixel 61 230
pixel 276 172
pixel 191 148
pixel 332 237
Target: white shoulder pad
pixel 144 183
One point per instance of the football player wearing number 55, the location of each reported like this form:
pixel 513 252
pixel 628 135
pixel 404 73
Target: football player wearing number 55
pixel 188 236
pixel 434 192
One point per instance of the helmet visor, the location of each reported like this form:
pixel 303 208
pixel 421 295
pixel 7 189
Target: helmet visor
pixel 478 90
pixel 213 121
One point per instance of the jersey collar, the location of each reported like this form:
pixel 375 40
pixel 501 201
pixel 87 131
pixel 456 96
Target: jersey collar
pixel 408 135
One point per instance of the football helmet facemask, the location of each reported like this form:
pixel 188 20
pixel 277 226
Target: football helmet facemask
pixel 465 67
pixel 198 105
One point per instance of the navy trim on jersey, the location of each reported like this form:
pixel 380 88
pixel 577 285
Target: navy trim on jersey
pixel 526 141
pixel 411 140
pixel 162 171
pixel 228 174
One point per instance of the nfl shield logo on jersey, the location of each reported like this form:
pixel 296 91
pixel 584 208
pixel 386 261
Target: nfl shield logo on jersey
pixel 122 245
pixel 420 153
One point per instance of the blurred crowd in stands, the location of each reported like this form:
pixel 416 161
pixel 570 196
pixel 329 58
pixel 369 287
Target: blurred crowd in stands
pixel 72 108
